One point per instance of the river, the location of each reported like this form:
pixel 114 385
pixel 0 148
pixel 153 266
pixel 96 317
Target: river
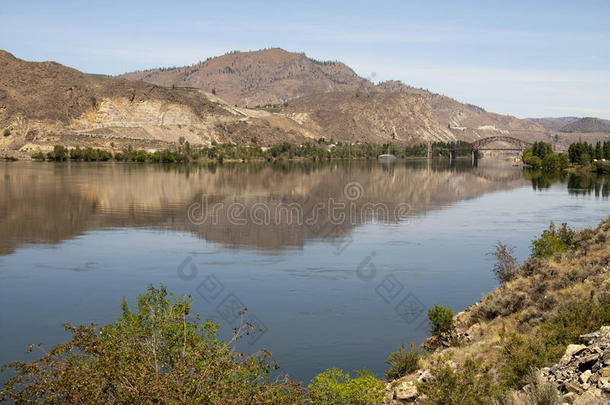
pixel 336 262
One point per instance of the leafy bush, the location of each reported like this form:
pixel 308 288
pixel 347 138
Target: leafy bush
pixel 76 154
pixel 38 156
pixel 533 161
pixel 519 356
pixel 402 362
pixel 555 161
pixel 542 149
pixel 103 155
pixel 59 153
pixel 441 319
pixel 553 240
pixel 506 264
pixel 6 132
pixel 157 354
pixel 335 387
pixel 470 384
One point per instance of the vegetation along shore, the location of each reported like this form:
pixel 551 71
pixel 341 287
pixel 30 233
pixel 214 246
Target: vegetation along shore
pixel 541 337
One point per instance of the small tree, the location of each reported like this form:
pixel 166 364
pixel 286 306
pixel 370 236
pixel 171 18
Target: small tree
pixel 441 319
pixel 159 354
pixel 553 240
pixel 506 264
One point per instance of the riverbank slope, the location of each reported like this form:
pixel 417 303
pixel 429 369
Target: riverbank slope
pixel 523 342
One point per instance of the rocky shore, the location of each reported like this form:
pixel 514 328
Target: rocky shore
pixel 543 337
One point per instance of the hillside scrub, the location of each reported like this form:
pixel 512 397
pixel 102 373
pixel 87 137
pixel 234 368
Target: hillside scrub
pixel 560 293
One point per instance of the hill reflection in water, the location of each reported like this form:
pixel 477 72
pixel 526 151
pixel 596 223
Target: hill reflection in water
pixel 260 206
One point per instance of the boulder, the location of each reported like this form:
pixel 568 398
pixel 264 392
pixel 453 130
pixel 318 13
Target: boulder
pixel 571 351
pixel 426 376
pixel 569 397
pixel 406 391
pixel 572 386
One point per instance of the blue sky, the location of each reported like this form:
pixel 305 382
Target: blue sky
pixel 544 58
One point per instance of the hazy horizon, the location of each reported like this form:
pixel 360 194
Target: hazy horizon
pixel 548 59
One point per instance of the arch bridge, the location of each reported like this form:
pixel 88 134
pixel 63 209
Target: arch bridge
pixel 514 144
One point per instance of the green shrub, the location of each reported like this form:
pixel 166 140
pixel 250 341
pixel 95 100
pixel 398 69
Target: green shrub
pixel 103 155
pixel 76 154
pixel 335 387
pixel 555 161
pixel 469 384
pixel 553 240
pixel 441 319
pixel 499 303
pixel 119 157
pixel 542 149
pixel 59 153
pixel 520 354
pixel 541 391
pixel 506 264
pixel 402 362
pixel 158 354
pixel 139 156
pixel 7 132
pixel 531 160
pixel 90 155
pixel 38 156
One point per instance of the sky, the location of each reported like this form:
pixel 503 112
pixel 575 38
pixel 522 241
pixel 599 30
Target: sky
pixel 524 58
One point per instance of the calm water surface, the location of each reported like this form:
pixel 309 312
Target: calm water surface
pixel 328 290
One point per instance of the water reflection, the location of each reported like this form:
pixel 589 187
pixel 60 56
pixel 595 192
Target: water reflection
pixel 49 203
pixel 577 183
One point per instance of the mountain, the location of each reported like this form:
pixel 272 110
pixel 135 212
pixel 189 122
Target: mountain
pixel 587 124
pixel 329 99
pixel 45 103
pixel 554 124
pixel 258 78
pixel 395 112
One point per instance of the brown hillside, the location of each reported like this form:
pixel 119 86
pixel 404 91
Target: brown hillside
pixel 402 114
pixel 330 100
pixel 45 103
pixel 50 91
pixel 587 124
pixel 258 78
pixel 554 124
pixel 42 104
